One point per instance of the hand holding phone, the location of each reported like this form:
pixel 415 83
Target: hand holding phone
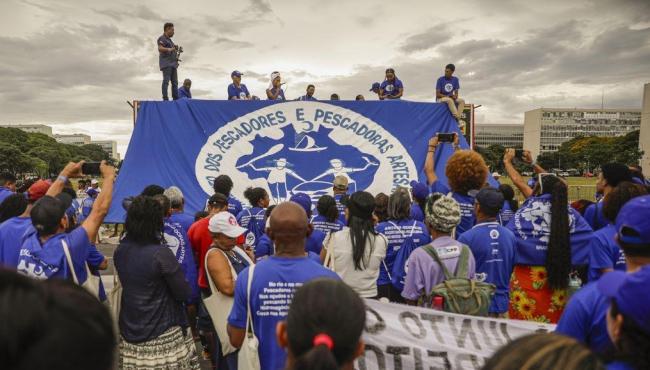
pixel 91 168
pixel 448 137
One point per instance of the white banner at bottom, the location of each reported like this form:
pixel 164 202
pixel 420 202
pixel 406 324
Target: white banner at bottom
pixel 401 337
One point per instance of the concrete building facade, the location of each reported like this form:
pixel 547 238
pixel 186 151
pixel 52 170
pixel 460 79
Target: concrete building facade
pixel 35 129
pixel 73 139
pixel 507 135
pixel 109 146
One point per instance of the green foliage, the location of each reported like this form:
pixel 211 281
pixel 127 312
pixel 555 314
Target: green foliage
pixel 22 153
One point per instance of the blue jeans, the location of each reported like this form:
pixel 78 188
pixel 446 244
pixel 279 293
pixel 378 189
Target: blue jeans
pixel 170 74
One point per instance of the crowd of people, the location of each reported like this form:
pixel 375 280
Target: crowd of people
pixel 283 285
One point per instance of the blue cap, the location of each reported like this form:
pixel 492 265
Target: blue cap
pixel 419 190
pixel 92 192
pixel 630 291
pixel 236 73
pixel 375 85
pixel 490 198
pixel 633 221
pixel 303 200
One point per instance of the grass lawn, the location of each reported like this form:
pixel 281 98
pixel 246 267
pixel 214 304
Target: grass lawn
pixel 579 188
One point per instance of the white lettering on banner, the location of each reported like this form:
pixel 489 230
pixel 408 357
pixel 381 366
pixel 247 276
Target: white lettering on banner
pixel 400 337
pixel 300 147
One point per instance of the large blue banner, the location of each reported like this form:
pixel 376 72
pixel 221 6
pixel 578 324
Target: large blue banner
pixel 297 146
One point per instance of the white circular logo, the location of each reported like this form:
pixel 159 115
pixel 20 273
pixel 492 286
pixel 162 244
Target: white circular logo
pixel 300 147
pixel 390 88
pixel 449 87
pixel 242 95
pixel 494 234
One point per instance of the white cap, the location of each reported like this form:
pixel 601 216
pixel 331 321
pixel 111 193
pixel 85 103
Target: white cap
pixel 225 223
pixel 94 181
pixel 495 174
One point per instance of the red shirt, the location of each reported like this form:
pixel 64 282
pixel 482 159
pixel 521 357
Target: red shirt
pixel 201 240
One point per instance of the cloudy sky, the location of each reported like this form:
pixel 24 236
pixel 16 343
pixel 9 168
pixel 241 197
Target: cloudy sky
pixel 73 64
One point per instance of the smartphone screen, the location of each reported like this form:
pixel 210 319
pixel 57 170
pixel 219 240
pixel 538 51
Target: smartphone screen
pixel 519 153
pixel 90 168
pixel 446 137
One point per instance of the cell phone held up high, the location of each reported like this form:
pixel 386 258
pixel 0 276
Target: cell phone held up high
pixel 90 168
pixel 446 137
pixel 519 153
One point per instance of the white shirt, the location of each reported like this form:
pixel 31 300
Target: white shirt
pixel 364 282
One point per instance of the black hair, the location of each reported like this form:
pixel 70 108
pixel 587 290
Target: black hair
pixel 621 194
pixel 326 206
pixel 615 173
pixel 334 96
pixel 558 254
pixel 399 205
pixel 144 220
pixel 268 211
pixel 13 206
pixel 200 215
pixel 152 190
pixel 633 345
pixel 544 351
pixel 359 97
pixel 70 192
pixel 310 314
pixel 391 70
pixel 360 208
pixel 7 178
pixel 58 326
pixel 381 207
pixel 422 202
pixel 451 67
pixel 223 184
pixel 165 203
pixel 167 25
pixel 509 196
pixel 24 185
pixel 255 195
pixel 310 85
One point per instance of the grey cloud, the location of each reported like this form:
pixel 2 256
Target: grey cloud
pixel 428 39
pixel 229 43
pixel 139 12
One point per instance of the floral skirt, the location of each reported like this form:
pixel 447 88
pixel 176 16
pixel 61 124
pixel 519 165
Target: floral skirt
pixel 530 297
pixel 171 350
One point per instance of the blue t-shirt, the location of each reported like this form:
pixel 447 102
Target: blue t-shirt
pixel 177 240
pixel 12 233
pixel 274 281
pixel 264 247
pixel 505 214
pixel 240 92
pixel 584 319
pixel 466 203
pixel 341 207
pixel 184 93
pixel 48 260
pixel 166 59
pixel 5 193
pixel 595 217
pixel 395 232
pixel 280 95
pixel 391 88
pixel 184 219
pixel 86 207
pixel 493 247
pixel 256 213
pixel 447 86
pixel 604 252
pixel 234 206
pixel 416 212
pixel 532 228
pixel 321 224
pixel 314 242
pixel 618 365
pixel 307 98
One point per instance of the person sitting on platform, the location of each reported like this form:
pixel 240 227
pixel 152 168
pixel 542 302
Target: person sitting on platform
pixel 237 90
pixel 335 96
pixel 375 89
pixel 360 98
pixel 392 87
pixel 447 91
pixel 310 93
pixel 184 92
pixel 275 92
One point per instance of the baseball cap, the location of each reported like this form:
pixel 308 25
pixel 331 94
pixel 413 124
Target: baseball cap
pixel 48 211
pixel 490 198
pixel 419 190
pixel 236 73
pixel 225 223
pixel 375 85
pixel 633 221
pixel 94 182
pixel 630 293
pixel 92 192
pixel 38 190
pixel 303 200
pixel 495 174
pixel 340 182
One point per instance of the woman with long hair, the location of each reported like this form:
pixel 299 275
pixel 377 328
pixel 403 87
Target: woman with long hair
pixel 381 208
pixel 316 336
pixel 552 240
pixel 327 219
pixel 152 322
pixel 356 251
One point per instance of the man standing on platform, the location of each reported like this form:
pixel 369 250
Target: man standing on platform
pixel 184 92
pixel 168 61
pixel 447 91
pixel 237 90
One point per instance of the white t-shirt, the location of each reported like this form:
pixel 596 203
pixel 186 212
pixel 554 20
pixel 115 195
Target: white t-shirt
pixel 364 282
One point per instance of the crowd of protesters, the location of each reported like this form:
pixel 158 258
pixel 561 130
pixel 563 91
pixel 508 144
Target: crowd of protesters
pixel 238 274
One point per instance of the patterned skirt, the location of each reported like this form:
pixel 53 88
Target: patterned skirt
pixel 171 350
pixel 530 297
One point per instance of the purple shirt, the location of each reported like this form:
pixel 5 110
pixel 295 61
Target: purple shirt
pixel 238 92
pixel 423 272
pixel 5 193
pixel 391 88
pixel 447 86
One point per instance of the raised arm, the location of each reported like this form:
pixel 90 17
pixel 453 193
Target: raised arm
pixel 102 203
pixel 528 159
pixel 517 179
pixel 71 170
pixel 429 169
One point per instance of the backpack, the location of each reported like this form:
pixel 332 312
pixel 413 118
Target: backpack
pixel 255 229
pixel 461 295
pixel 401 258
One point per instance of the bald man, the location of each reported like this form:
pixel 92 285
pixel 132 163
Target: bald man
pixel 274 282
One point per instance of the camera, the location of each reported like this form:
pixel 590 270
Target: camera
pixel 179 50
